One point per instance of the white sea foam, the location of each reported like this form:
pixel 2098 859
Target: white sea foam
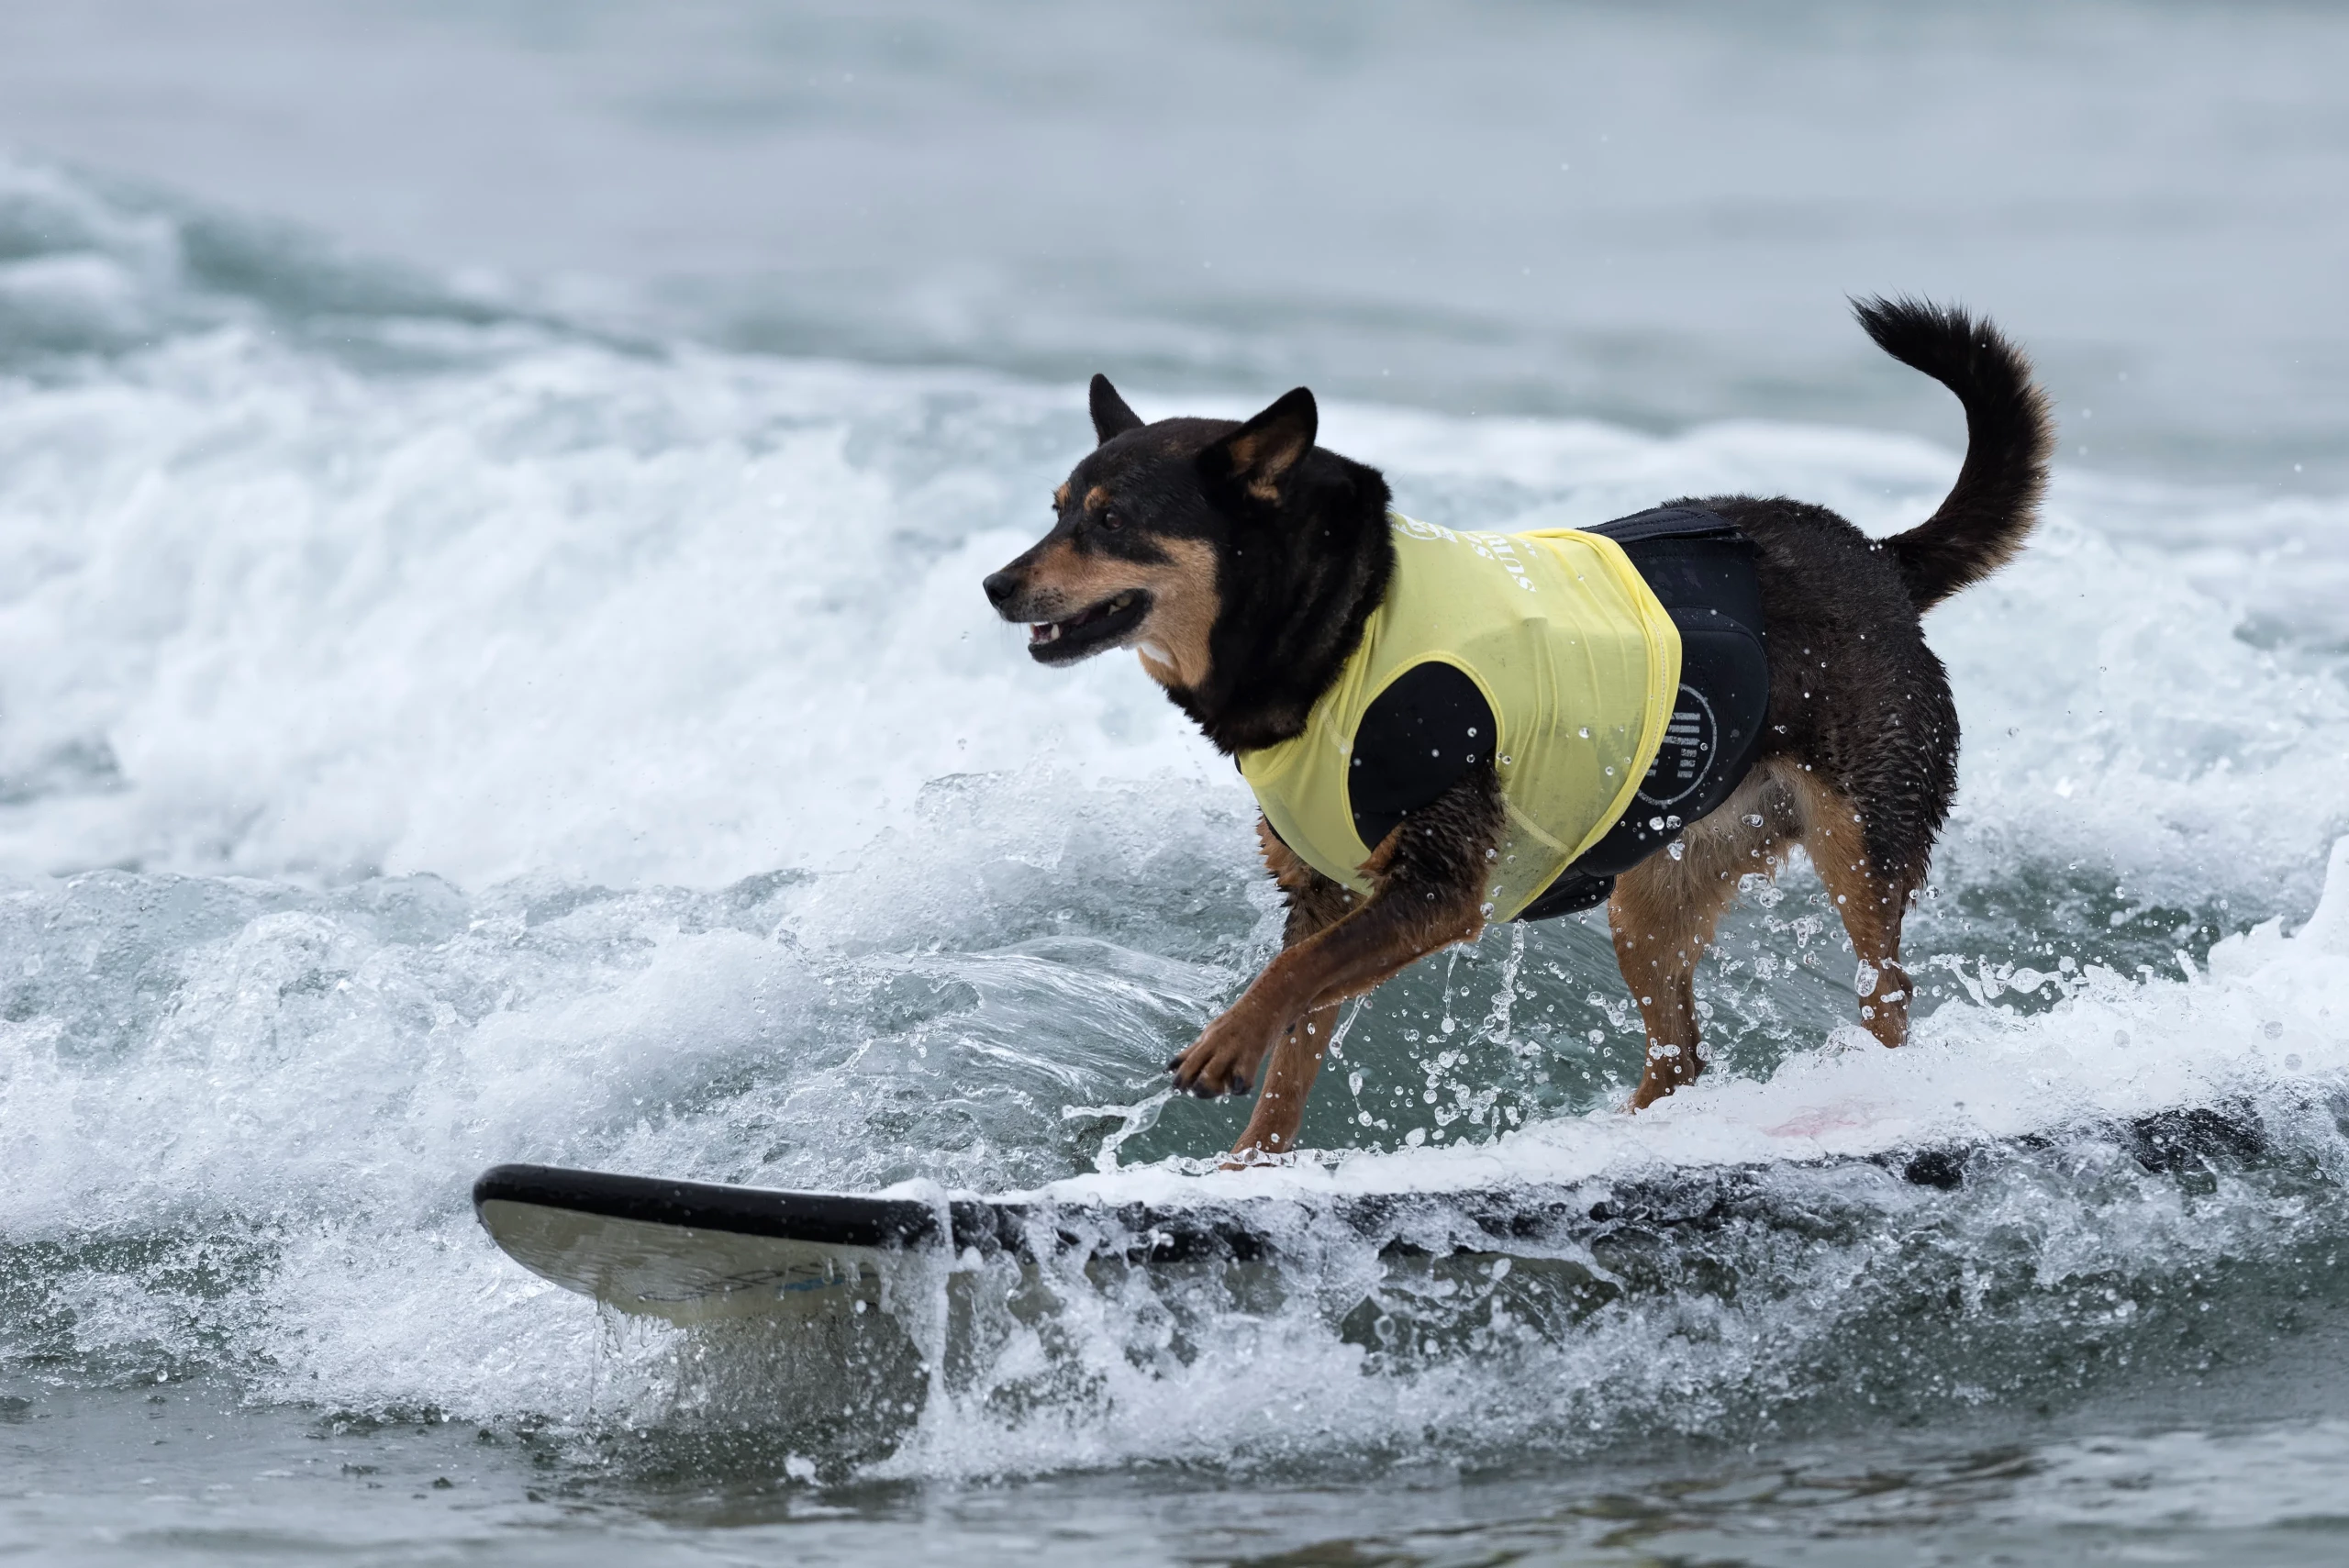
pixel 319 1094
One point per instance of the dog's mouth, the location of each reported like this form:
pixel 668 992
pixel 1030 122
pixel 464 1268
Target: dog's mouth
pixel 1088 631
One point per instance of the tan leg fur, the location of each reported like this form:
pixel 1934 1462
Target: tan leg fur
pixel 1665 910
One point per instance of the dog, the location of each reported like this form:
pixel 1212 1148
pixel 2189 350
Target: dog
pixel 1254 573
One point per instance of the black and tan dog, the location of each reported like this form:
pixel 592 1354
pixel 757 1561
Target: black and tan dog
pixel 1243 562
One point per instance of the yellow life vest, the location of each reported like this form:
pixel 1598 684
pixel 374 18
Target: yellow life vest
pixel 1572 653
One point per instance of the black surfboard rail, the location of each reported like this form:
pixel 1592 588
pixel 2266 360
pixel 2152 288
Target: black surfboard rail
pixel 833 1219
pixel 1245 1227
pixel 845 1220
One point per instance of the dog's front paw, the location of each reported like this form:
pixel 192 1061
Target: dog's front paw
pixel 1224 1059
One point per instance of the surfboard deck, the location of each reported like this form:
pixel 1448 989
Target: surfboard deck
pixel 692 1251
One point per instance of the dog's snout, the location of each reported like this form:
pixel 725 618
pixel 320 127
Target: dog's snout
pixel 1000 585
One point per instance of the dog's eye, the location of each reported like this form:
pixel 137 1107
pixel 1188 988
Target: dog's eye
pixel 1112 521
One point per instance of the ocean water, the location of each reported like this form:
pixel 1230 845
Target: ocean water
pixel 492 668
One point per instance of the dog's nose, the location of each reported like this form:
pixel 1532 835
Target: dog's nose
pixel 1000 585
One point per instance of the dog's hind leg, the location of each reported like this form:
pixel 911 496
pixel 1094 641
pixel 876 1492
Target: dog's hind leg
pixel 1872 903
pixel 1663 910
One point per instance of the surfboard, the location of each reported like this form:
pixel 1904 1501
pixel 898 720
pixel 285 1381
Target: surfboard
pixel 693 1252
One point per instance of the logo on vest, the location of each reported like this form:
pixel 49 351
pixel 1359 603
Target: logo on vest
pixel 1411 528
pixel 1502 548
pixel 1498 548
pixel 1689 744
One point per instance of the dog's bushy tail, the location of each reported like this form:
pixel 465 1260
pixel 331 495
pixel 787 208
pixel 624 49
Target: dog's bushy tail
pixel 1987 514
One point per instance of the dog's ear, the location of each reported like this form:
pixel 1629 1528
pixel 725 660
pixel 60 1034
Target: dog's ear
pixel 1261 452
pixel 1111 417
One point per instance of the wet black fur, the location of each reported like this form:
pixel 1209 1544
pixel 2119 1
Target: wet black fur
pixel 1854 692
pixel 1982 522
pixel 1856 695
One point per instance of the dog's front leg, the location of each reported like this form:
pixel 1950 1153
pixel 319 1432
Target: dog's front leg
pixel 1315 904
pixel 1429 877
pixel 1288 1078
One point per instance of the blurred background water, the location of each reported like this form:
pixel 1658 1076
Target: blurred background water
pixel 491 667
pixel 1644 213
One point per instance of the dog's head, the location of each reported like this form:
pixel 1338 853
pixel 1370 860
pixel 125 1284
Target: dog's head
pixel 1145 532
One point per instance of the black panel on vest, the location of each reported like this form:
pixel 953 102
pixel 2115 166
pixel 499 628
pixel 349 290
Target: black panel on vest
pixel 1417 739
pixel 1701 569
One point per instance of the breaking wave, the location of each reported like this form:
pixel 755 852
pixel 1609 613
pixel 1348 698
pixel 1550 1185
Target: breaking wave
pixel 432 735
